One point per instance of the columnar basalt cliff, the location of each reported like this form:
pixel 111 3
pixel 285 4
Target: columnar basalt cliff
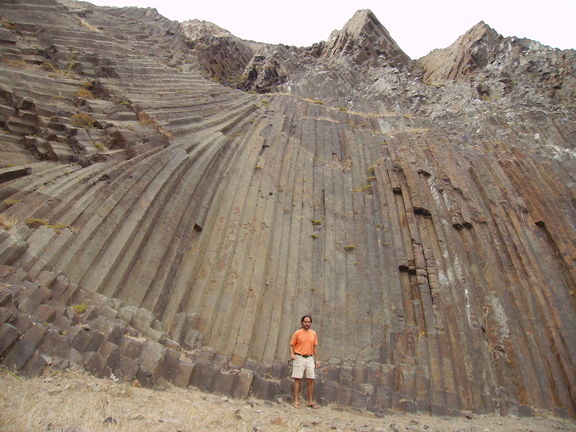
pixel 174 198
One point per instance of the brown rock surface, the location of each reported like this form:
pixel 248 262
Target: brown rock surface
pixel 164 226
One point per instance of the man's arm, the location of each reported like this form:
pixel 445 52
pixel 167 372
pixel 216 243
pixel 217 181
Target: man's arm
pixel 292 355
pixel 316 358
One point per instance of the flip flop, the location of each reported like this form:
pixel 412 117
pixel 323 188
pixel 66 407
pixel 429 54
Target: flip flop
pixel 296 405
pixel 313 406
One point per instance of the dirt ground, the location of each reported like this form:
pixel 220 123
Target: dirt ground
pixel 74 401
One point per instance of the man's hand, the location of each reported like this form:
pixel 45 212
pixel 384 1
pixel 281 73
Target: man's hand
pixel 317 363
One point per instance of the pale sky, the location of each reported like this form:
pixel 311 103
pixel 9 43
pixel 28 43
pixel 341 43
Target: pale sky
pixel 417 26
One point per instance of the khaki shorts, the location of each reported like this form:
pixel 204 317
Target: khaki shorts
pixel 303 366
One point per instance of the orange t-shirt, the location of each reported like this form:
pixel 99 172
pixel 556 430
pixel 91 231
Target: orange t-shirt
pixel 304 341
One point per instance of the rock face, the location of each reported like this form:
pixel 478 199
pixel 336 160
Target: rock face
pixel 364 40
pixel 471 52
pixel 222 55
pixel 160 219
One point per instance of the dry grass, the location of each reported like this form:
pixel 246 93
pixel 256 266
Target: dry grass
pixel 364 188
pixel 19 64
pixel 145 119
pixel 7 222
pixel 33 222
pixel 84 93
pixel 76 401
pixel 11 201
pixel 89 26
pixel 8 25
pixel 83 120
pixel 79 402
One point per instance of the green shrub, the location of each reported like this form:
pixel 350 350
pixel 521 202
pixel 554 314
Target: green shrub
pixel 71 63
pixel 79 308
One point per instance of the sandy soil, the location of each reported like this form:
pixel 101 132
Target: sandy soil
pixel 76 402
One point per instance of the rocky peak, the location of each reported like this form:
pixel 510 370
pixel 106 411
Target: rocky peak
pixel 471 51
pixel 365 40
pixel 198 29
pixel 498 66
pixel 222 55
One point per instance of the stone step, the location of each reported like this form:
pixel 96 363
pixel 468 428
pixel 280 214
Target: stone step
pixel 22 126
pixel 22 351
pixel 11 249
pixel 221 121
pixel 11 173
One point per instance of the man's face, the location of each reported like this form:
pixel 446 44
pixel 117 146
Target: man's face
pixel 306 323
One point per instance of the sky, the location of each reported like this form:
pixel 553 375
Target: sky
pixel 417 26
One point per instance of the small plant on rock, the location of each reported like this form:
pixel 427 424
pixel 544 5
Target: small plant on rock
pixel 366 188
pixel 35 222
pixel 85 94
pixel 83 120
pixel 143 118
pixel 20 64
pixel 7 222
pixel 8 25
pixel 58 227
pixel 79 308
pixel 49 67
pixel 71 64
pixel 11 201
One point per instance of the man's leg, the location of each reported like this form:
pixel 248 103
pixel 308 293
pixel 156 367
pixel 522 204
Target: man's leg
pixel 296 397
pixel 310 392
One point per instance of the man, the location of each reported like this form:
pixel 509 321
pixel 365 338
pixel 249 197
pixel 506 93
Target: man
pixel 305 358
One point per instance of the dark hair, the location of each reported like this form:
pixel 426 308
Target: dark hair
pixel 304 317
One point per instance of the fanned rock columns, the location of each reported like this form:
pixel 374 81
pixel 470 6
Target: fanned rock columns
pixel 158 225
